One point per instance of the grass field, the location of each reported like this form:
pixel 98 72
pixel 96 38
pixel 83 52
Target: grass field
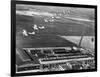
pixel 86 41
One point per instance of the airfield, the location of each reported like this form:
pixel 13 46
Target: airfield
pixel 56 27
pixel 40 29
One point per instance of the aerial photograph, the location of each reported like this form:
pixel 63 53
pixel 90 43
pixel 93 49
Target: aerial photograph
pixel 54 38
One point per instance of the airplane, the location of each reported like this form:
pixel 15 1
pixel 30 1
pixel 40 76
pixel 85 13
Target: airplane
pixel 35 27
pixel 33 33
pixel 24 32
pixel 42 27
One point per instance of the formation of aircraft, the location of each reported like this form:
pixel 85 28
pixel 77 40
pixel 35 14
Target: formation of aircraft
pixel 35 27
